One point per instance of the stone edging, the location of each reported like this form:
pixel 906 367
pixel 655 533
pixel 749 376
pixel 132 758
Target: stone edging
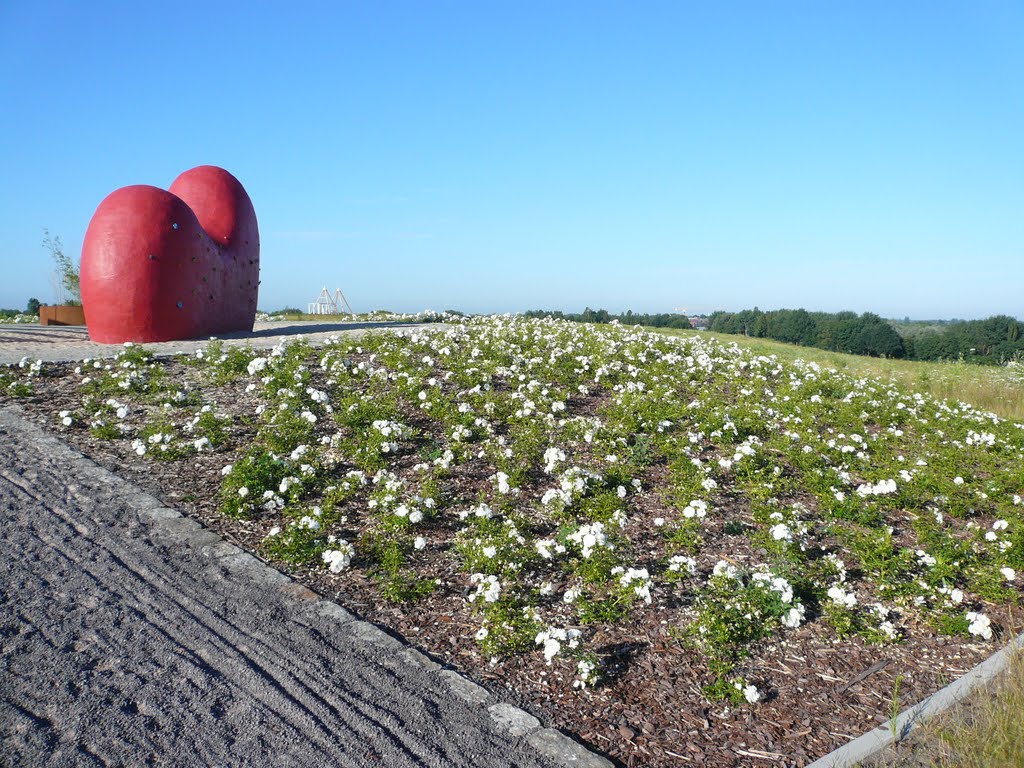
pixel 169 526
pixel 873 742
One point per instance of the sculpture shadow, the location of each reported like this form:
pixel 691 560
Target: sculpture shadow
pixel 303 329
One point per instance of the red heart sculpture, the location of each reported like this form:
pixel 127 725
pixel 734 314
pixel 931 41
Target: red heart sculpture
pixel 160 265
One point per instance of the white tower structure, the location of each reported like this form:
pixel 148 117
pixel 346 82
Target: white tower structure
pixel 326 304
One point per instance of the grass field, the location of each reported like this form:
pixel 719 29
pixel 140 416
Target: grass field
pixel 999 389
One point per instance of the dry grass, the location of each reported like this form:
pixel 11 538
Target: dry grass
pixel 999 389
pixel 989 731
pixel 986 730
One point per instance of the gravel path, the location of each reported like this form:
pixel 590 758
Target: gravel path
pixel 71 342
pixel 132 636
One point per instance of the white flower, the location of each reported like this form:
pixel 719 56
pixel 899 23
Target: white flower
pixel 794 616
pixel 1008 573
pixel 256 365
pixel 750 692
pixel 588 537
pixel 781 532
pixel 488 587
pixel 958 480
pixel 981 625
pixel 551 648
pixel 340 557
pixel 420 542
pixel 682 564
pixel 881 488
pixel 841 597
pixel 585 669
pixel 696 508
pixel 640 581
pixel 552 456
pixel 723 568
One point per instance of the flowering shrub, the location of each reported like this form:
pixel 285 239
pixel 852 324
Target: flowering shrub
pixel 253 482
pixel 556 478
pixel 739 607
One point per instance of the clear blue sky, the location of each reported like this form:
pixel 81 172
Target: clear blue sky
pixel 500 156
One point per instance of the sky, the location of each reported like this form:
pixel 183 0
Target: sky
pixel 503 156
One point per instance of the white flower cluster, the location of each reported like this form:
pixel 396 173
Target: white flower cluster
pixel 696 509
pixel 552 458
pixel 552 639
pixel 588 537
pixel 885 626
pixel 390 429
pixel 488 587
pixel 339 556
pixel 256 365
pixel 750 693
pixel 682 564
pixel 842 598
pixel 587 672
pixel 636 579
pixel 881 488
pixel 481 510
pixel 980 625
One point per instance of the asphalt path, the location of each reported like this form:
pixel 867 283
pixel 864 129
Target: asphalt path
pixel 130 635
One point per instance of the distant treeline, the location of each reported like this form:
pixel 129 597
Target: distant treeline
pixel 588 315
pixel 994 340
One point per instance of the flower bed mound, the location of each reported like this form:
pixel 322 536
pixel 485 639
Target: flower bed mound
pixel 678 551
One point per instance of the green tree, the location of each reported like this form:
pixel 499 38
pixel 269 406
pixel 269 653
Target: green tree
pixel 32 308
pixel 66 276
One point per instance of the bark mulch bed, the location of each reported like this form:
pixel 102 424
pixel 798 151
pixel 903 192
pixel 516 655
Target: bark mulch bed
pixel 821 692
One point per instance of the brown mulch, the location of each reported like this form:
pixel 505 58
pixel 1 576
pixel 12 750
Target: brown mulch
pixel 818 692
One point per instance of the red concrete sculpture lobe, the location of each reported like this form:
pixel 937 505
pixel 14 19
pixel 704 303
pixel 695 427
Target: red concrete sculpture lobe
pixel 160 265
